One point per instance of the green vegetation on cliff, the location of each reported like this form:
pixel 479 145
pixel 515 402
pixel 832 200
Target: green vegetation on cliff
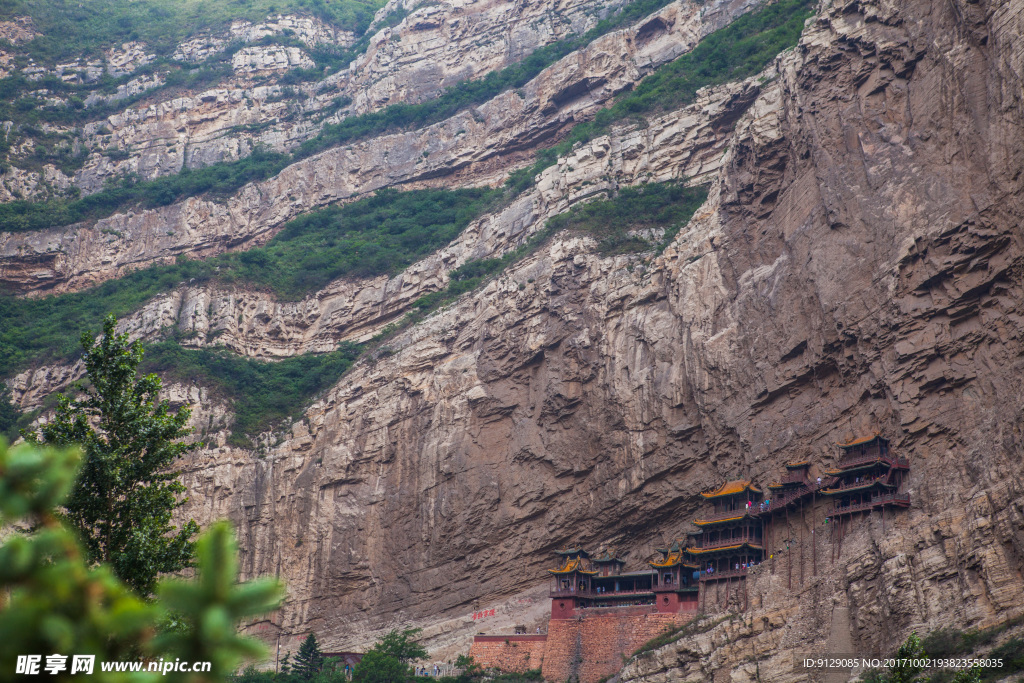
pixel 376 235
pixel 380 234
pixel 470 93
pixel 261 393
pixel 222 178
pixel 741 49
pixel 618 223
pixel 76 28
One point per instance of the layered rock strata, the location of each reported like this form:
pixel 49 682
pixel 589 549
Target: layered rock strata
pixel 686 144
pixel 434 47
pixel 471 148
pixel 858 268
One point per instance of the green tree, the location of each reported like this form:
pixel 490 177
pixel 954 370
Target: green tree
pixel 972 675
pixel 401 646
pixel 389 660
pixel 309 659
pixel 53 600
pixel 905 667
pixel 377 667
pixel 125 495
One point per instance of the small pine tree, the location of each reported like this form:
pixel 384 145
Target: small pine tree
pixel 286 665
pixel 309 658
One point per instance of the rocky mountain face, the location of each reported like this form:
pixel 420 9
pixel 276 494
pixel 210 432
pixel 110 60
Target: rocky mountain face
pixel 857 267
pixel 433 46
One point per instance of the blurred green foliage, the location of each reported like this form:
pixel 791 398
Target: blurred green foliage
pixel 52 600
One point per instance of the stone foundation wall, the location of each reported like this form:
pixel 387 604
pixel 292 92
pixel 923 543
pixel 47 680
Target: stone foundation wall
pixel 590 647
pixel 509 653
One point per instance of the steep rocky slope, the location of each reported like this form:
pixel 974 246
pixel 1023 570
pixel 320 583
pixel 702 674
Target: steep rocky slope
pixel 428 49
pixel 857 267
pixel 471 148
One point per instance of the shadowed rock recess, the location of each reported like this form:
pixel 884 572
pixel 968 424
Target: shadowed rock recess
pixel 857 267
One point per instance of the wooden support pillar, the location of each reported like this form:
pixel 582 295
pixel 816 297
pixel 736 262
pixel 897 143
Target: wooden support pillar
pixel 814 544
pixel 801 532
pixel 789 555
pixel 839 553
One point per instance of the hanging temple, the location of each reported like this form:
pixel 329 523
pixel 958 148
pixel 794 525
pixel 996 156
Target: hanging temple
pixel 744 530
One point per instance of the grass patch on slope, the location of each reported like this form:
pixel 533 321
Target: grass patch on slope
pixel 380 234
pixel 263 394
pixel 947 643
pixel 618 222
pixel 613 222
pixel 223 178
pixel 741 49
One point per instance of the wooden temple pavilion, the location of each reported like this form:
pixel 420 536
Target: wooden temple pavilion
pixel 868 476
pixel 674 575
pixel 585 582
pixel 732 535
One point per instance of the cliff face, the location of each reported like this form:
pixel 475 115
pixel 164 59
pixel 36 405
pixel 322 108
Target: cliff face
pixel 166 129
pixel 471 148
pixel 857 267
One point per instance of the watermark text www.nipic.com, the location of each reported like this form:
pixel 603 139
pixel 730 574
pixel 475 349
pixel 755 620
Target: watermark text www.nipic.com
pixel 41 665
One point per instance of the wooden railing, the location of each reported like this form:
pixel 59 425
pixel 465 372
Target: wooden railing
pixel 728 574
pixel 857 484
pixel 878 501
pixel 867 458
pixel 590 593
pixel 726 542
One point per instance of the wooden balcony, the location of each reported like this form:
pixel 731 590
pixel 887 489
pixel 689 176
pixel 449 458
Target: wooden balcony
pixel 721 576
pixel 590 593
pixel 729 514
pixel 900 499
pixel 726 542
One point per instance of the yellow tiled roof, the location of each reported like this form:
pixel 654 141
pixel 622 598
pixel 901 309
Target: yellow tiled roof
pixel 857 442
pixel 574 565
pixel 731 487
